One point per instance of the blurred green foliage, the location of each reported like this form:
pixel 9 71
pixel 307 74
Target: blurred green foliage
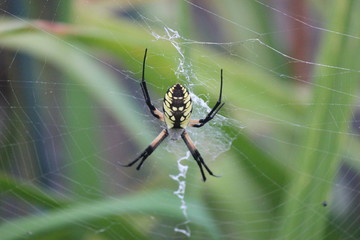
pixel 272 189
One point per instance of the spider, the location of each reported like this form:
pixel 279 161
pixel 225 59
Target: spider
pixel 177 108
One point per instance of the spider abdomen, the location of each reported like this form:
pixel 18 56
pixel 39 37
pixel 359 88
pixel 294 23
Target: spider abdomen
pixel 177 107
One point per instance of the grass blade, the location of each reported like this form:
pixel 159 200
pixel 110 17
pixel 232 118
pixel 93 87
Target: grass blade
pixel 304 216
pixel 149 203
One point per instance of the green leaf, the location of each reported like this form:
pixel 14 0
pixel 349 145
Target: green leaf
pixel 156 203
pixel 29 193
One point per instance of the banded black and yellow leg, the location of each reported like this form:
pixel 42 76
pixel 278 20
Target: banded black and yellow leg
pixel 153 145
pixel 196 155
pixel 154 111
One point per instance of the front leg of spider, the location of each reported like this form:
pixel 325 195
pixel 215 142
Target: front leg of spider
pixel 196 155
pixel 214 110
pixel 154 111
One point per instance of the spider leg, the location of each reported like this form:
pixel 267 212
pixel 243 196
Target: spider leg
pixel 153 145
pixel 214 110
pixel 154 111
pixel 195 153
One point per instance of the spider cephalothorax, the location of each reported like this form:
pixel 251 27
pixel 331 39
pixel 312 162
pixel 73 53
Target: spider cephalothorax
pixel 177 107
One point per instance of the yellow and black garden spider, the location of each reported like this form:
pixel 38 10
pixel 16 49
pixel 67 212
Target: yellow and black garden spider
pixel 177 108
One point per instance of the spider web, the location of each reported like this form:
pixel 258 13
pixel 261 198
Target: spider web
pixel 72 110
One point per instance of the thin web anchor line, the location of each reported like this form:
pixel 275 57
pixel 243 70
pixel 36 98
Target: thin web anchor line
pixel 189 41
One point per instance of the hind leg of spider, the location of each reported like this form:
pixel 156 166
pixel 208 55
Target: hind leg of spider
pixel 153 145
pixel 196 155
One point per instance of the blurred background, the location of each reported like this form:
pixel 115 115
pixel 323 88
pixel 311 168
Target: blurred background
pixel 286 143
